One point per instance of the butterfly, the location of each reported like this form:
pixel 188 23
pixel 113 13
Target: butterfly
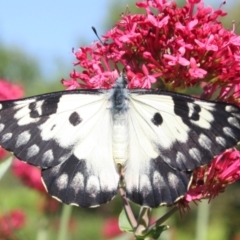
pixel 80 138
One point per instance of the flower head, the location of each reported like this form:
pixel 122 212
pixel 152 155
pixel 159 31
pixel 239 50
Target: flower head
pixel 8 91
pixel 212 179
pixel 179 47
pixel 111 228
pixel 29 175
pixel 11 222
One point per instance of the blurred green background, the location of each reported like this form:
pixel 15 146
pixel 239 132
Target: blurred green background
pixel 27 67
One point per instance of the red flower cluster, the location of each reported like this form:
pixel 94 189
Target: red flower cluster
pixel 111 228
pixel 8 91
pixel 172 48
pixel 208 181
pixel 11 222
pixel 29 175
pixel 177 47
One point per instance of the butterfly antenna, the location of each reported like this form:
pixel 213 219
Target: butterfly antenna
pixel 95 32
pixel 135 52
pixel 100 40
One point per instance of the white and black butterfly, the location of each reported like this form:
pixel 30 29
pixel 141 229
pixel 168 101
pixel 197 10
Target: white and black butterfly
pixel 80 137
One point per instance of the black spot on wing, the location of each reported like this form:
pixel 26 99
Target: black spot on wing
pixel 33 111
pixel 157 119
pixel 180 106
pixel 182 109
pixel 50 104
pixel 6 104
pixel 69 180
pixel 53 126
pixel 75 119
pixel 195 114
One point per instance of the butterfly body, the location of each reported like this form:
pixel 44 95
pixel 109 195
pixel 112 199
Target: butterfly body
pixel 119 101
pixel 79 137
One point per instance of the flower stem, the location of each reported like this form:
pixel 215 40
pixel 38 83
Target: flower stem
pixel 4 166
pixel 143 221
pixel 63 227
pixel 202 220
pixel 42 233
pixel 127 208
pixel 164 218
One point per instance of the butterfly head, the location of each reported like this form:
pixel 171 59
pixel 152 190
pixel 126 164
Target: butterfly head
pixel 121 82
pixel 119 95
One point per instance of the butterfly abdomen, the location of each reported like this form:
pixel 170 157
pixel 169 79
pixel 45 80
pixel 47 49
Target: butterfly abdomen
pixel 119 109
pixel 120 138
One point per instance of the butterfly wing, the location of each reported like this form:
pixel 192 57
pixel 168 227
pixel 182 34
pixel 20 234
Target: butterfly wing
pixel 171 135
pixel 62 133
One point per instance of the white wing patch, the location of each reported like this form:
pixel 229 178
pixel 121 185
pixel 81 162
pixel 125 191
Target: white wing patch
pixel 48 156
pixel 62 181
pixel 77 182
pixel 6 137
pixel 1 127
pixel 32 151
pixel 23 138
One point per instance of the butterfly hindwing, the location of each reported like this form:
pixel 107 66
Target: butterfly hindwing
pixel 173 134
pixel 62 133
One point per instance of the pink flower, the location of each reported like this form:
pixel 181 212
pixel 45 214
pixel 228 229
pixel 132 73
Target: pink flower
pixel 111 228
pixel 3 153
pixel 49 205
pixel 11 222
pixel 194 71
pixel 210 180
pixel 178 59
pixel 29 175
pixel 179 47
pixel 8 91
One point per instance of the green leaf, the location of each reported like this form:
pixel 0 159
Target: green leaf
pixel 5 165
pixel 154 233
pixel 157 231
pixel 124 223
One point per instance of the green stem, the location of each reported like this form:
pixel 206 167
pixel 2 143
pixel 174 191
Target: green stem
pixel 63 227
pixel 164 218
pixel 42 233
pixel 143 221
pixel 4 166
pixel 202 220
pixel 127 208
